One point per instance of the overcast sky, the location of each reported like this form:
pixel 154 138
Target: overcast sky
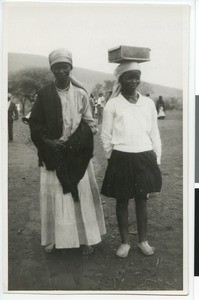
pixel 89 30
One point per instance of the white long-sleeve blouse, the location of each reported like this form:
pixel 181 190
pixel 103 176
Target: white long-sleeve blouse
pixel 130 127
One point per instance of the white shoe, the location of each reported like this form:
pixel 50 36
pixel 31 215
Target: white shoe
pixel 123 250
pixel 146 248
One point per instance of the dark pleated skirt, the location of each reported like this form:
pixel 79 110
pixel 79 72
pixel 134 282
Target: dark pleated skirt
pixel 131 175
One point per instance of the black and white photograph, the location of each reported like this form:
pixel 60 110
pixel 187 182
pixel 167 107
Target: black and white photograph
pixel 96 143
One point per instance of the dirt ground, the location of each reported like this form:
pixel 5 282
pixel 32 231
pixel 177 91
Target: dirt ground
pixel 31 269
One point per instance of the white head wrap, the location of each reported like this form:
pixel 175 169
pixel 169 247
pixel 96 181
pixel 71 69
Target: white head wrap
pixel 60 55
pixel 122 68
pixel 63 55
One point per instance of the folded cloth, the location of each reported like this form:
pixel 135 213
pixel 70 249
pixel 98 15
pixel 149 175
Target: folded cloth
pixel 73 160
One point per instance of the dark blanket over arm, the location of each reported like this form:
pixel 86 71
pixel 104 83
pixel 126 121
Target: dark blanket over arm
pixel 46 122
pixel 73 161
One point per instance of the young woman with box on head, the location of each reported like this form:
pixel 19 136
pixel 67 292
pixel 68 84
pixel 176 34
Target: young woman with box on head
pixel 132 145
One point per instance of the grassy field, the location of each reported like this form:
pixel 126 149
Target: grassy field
pixel 31 269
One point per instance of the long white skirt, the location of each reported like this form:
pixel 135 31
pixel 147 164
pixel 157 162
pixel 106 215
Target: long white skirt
pixel 65 222
pixel 161 112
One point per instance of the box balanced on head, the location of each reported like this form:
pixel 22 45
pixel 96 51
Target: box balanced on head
pixel 128 53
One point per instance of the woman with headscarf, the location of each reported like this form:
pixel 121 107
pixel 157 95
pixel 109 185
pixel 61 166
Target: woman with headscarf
pixel 62 129
pixel 160 106
pixel 132 145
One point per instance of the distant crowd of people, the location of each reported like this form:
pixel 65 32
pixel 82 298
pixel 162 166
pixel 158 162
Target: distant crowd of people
pixel 97 105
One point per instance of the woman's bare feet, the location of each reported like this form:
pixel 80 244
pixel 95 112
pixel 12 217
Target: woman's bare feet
pixel 86 250
pixel 49 248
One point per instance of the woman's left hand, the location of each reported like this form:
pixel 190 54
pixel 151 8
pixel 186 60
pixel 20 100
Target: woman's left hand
pixel 55 145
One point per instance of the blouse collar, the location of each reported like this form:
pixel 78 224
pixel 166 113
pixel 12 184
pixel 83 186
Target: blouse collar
pixel 139 101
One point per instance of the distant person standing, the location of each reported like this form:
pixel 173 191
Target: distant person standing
pixel 12 116
pixel 160 106
pixel 95 109
pixel 18 108
pixel 100 107
pixel 92 104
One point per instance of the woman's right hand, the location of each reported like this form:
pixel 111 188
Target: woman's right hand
pixel 55 145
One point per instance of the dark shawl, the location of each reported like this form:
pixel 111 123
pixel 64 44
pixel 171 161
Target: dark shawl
pixel 46 122
pixel 73 161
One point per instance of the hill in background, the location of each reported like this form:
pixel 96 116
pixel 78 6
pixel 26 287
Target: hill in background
pixel 18 61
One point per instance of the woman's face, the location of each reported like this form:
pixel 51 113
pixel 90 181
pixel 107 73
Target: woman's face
pixel 61 71
pixel 130 80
